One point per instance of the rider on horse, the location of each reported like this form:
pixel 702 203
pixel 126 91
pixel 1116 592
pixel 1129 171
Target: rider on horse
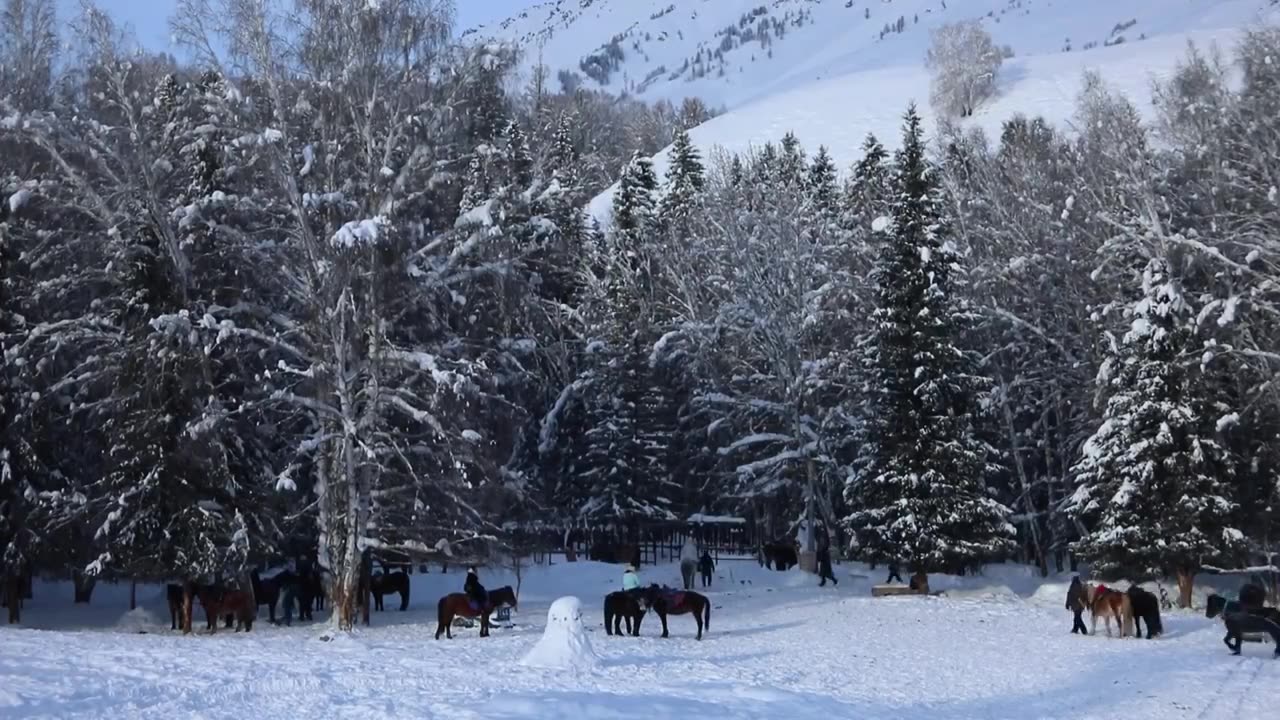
pixel 474 590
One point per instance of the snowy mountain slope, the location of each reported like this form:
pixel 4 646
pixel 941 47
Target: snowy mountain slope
pixel 839 112
pixel 732 52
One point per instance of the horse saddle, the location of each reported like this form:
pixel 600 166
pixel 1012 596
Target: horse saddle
pixel 675 599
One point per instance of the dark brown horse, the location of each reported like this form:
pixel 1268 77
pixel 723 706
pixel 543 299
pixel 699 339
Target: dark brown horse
pixel 267 592
pixel 237 605
pixel 173 593
pixel 619 606
pixel 385 583
pixel 459 605
pixel 665 601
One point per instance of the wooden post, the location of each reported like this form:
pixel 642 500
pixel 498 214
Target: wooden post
pixel 133 594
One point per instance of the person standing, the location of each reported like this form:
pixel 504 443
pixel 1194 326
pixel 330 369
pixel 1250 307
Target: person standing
pixel 688 563
pixel 893 573
pixel 824 562
pixel 1076 603
pixel 706 566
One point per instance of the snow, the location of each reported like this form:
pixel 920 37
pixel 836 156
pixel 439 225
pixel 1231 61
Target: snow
pixel 716 519
pixel 18 200
pixel 359 232
pixel 840 109
pixel 994 646
pixel 481 215
pixel 564 642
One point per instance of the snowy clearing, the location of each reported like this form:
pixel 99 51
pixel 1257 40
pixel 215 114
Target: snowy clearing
pixel 995 647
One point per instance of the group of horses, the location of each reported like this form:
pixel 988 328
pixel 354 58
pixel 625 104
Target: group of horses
pixel 1130 610
pixel 238 605
pixel 631 606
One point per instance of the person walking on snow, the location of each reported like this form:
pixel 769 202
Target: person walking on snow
pixel 474 590
pixel 893 573
pixel 1076 602
pixel 688 563
pixel 824 562
pixel 706 566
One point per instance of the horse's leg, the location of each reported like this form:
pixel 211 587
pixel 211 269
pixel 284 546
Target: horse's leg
pixel 638 618
pixel 1093 617
pixel 404 598
pixel 663 617
pixel 697 616
pixel 484 624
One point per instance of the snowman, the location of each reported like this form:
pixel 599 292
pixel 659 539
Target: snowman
pixel 564 643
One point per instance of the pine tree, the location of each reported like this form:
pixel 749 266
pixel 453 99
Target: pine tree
pixel 633 207
pixel 821 185
pixel 917 493
pixel 684 185
pixel 1154 486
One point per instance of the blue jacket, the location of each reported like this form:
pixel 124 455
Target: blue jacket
pixel 630 581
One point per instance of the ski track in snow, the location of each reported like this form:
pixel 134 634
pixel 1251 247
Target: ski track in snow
pixel 777 647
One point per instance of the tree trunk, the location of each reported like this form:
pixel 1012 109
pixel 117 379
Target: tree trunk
pixel 1186 580
pixel 133 595
pixel 84 585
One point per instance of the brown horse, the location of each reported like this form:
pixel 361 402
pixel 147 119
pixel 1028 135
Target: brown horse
pixel 459 605
pixel 237 605
pixel 1108 604
pixel 666 602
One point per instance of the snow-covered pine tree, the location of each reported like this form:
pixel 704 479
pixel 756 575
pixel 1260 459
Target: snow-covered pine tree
pixel 684 185
pixel 917 492
pixel 820 185
pixel 626 468
pixel 1155 488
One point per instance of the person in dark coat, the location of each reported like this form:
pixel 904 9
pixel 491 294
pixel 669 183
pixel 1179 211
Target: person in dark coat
pixel 893 573
pixel 824 562
pixel 1076 603
pixel 474 590
pixel 706 566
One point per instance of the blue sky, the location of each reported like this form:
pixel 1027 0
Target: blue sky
pixel 149 18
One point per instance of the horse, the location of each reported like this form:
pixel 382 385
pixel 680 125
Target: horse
pixel 267 592
pixel 1242 619
pixel 458 604
pixel 237 605
pixel 1145 608
pixel 1107 604
pixel 683 602
pixel 620 606
pixel 386 583
pixel 310 592
pixel 174 594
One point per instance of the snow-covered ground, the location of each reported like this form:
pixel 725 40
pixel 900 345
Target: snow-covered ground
pixel 996 646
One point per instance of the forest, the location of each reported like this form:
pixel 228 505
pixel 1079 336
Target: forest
pixel 329 287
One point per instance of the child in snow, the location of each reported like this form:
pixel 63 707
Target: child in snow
pixel 1076 602
pixel 474 590
pixel 706 566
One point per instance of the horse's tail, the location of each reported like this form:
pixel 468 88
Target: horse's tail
pixel 706 612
